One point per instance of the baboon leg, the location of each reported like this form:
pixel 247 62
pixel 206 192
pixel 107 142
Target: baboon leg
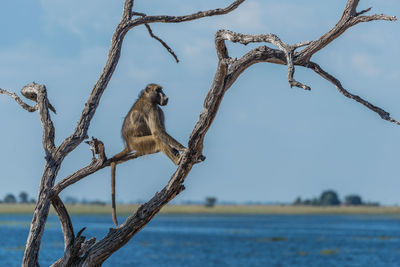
pixel 149 144
pixel 171 153
pixel 144 145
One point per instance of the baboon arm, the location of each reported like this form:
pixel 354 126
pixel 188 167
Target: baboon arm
pixel 158 130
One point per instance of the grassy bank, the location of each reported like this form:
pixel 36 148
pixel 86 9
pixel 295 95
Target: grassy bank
pixel 219 209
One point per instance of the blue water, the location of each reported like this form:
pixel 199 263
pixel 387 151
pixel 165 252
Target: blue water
pixel 227 240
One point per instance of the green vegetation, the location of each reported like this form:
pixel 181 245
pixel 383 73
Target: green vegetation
pixel 23 198
pixel 353 200
pixel 210 202
pixel 331 198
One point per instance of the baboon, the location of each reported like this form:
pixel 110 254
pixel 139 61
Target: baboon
pixel 143 131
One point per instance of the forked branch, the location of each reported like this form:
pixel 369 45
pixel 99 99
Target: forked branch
pixel 38 93
pixel 19 101
pixel 227 72
pixel 350 17
pixel 56 155
pixel 90 253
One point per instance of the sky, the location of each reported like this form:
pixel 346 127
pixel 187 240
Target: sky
pixel 268 143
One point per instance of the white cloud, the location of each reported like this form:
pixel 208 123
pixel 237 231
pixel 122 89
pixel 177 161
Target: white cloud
pixel 364 64
pixel 201 52
pixel 248 16
pixel 64 77
pixel 141 74
pixel 198 47
pixel 80 16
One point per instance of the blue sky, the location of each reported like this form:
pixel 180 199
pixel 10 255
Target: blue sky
pixel 268 143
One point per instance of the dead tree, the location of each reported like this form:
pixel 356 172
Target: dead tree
pixel 92 252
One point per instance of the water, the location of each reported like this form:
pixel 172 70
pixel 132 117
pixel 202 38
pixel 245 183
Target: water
pixel 227 240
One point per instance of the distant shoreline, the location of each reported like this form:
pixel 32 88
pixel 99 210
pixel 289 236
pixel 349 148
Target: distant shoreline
pixel 124 209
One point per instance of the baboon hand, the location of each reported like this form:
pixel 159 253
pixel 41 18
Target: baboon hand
pixel 176 152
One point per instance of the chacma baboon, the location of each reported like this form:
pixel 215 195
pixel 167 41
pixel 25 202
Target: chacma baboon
pixel 144 132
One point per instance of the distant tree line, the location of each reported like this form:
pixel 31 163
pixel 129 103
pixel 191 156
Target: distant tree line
pixel 331 198
pixel 74 201
pixel 23 197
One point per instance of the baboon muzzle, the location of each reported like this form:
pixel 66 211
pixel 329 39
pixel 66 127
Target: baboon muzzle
pixel 164 101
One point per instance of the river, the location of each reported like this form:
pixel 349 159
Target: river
pixel 226 240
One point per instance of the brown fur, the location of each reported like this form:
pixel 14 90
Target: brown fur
pixel 143 131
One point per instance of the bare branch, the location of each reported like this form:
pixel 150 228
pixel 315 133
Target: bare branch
pixel 47 123
pixel 162 42
pixel 360 19
pixel 80 132
pixel 194 16
pixel 156 37
pixel 96 164
pixel 97 148
pixel 65 221
pixel 54 160
pixel 30 92
pixel 382 113
pixel 227 72
pixel 19 101
pixel 78 248
pixel 223 79
pixel 292 81
pixel 138 14
pixel 38 93
pixel 245 39
pixel 116 238
pixel 269 38
pixel 127 10
pixel 351 8
pixel 349 18
pixel 256 55
pixel 301 44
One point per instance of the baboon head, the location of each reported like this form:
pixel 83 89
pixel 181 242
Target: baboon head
pixel 155 94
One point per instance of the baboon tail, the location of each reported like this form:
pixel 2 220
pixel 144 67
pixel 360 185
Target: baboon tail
pixel 114 208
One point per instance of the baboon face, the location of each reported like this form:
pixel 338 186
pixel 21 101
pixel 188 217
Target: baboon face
pixel 156 94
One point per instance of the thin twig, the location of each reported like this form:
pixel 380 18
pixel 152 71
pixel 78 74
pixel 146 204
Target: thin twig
pixel 382 113
pixel 363 11
pixel 95 165
pixel 162 42
pixel 138 14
